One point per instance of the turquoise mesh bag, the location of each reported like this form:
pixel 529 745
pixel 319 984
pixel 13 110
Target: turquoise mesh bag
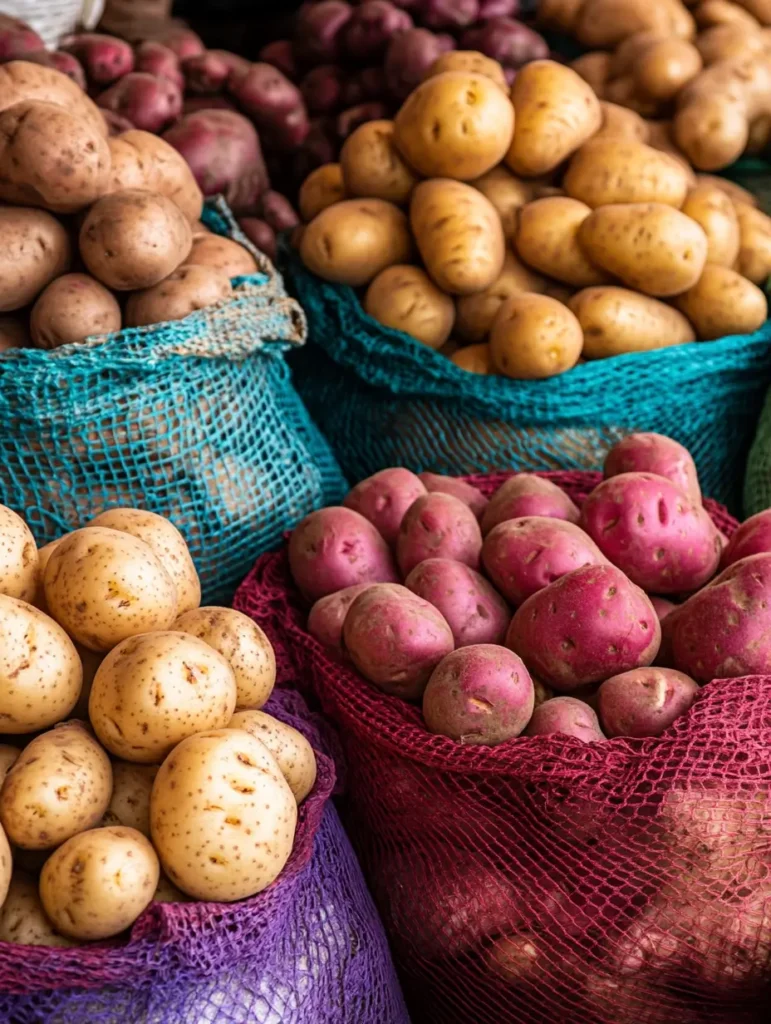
pixel 195 419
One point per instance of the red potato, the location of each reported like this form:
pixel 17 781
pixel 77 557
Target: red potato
pixel 449 14
pixel 565 639
pixel 277 211
pixel 105 58
pixel 209 72
pixel 751 538
pixel 66 63
pixel 526 494
pixel 396 639
pixel 459 489
pixel 280 54
pixel 384 498
pixel 474 611
pixel 645 701
pixel 479 694
pixel 180 40
pixel 17 39
pixel 195 104
pixel 522 556
pixel 408 58
pixel 274 104
pixel 662 607
pixel 654 453
pixel 663 540
pixel 260 234
pixel 157 59
pixel 370 28
pixel 565 716
pixel 318 31
pixel 509 42
pixel 367 84
pixel 326 617
pixel 438 526
pixel 334 548
pixel 150 103
pixel 322 88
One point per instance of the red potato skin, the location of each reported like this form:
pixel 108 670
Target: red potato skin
pixel 664 541
pixel 449 14
pixel 384 498
pixel 371 26
pixel 752 538
pixel 150 103
pixel 105 58
pixel 318 31
pixel 509 42
pixel 326 617
pixel 655 453
pixel 408 58
pixel 526 494
pixel 209 72
pixel 280 54
pixel 396 639
pixel 438 526
pixel 260 234
pixel 565 716
pixel 522 556
pixel 322 89
pixel 17 39
pixel 481 694
pixel 334 548
pixel 157 59
pixel 645 701
pixel 662 606
pixel 565 639
pixel 274 104
pixel 181 41
pixel 474 611
pixel 277 211
pixel 459 489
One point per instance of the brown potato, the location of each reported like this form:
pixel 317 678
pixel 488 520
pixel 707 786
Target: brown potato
pixel 372 167
pixel 723 12
pixel 616 320
pixel 72 308
pixel 722 303
pixel 222 254
pixel 36 249
pixel 145 161
pixel 14 333
pixel 186 290
pixel 660 138
pixel 130 801
pixel 735 192
pixel 472 62
pixel 729 41
pixel 507 194
pixel 455 125
pixel 664 67
pixel 616 170
pixel 547 239
pixel 593 67
pixel 754 260
pixel 474 314
pixel 534 336
pixel 474 359
pixel 712 208
pixel 759 136
pixel 21 80
pixel 406 299
pixel 559 14
pixel 621 123
pixel 351 242
pixel 134 239
pixel 322 188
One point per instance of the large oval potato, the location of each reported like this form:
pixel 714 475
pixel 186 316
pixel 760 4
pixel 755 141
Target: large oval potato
pixel 454 125
pixel 130 801
pixel 351 242
pixel 36 249
pixel 625 171
pixel 406 299
pixel 152 691
pixel 223 254
pixel 534 336
pixel 293 753
pixel 18 557
pixel 71 308
pixel 474 314
pixel 508 195
pixel 754 260
pixel 60 785
pixel 22 918
pixel 617 320
pixel 621 123
pixel 21 80
pixel 723 302
pixel 594 67
pixel 322 188
pixel 372 167
pixel 649 246
pixel 186 290
pixel 146 161
pixel 712 208
pixel 472 62
pixel 547 239
pixel 222 816
pixel 459 235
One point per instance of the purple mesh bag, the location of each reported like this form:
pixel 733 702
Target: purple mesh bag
pixel 310 949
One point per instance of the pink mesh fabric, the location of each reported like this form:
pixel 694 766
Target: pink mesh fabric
pixel 545 881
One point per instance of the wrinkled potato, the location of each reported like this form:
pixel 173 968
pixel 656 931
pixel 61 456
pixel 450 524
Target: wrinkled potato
pixel 406 299
pixel 372 167
pixel 613 170
pixel 146 161
pixel 36 249
pixel 474 359
pixel 14 333
pixel 474 314
pixel 754 260
pixel 72 308
pixel 712 208
pixel 130 801
pixel 723 302
pixel 322 188
pixel 507 194
pixel 152 691
pixel 8 756
pixel 534 336
pixel 242 644
pixel 616 320
pixel 18 557
pixel 186 290
pixel 293 753
pixel 547 239
pixel 99 882
pixel 60 785
pixel 103 586
pixel 22 918
pixel 621 123
pixel 222 254
pixel 222 816
pixel 471 62
pixel 454 125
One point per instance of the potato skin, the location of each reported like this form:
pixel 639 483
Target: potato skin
pixel 618 320
pixel 475 314
pixel 625 171
pixel 372 166
pixel 70 309
pixel 36 249
pixel 22 918
pixel 322 188
pixel 222 254
pixel 754 260
pixel 14 333
pixel 6 866
pixel 664 67
pixel 20 80
pixel 146 161
pixel 508 195
pixel 547 239
pixel 292 751
pixel 471 62
pixel 18 557
pixel 406 299
pixel 130 801
pixel 722 302
pixel 474 359
pixel 621 123
pixel 713 210
pixel 534 336
pixel 186 290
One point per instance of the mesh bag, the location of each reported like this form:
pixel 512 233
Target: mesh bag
pixel 310 948
pixel 545 881
pixel 195 419
pixel 382 399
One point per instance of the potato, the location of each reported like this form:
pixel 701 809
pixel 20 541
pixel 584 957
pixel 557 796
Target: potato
pixel 649 246
pixel 555 113
pixel 655 453
pixel 60 785
pixel 459 235
pixel 664 67
pixel 186 290
pixel 222 254
pixel 534 336
pixel 36 249
pixel 406 299
pixel 133 239
pixel 621 123
pixel 99 882
pixel 322 188
pixel 458 488
pixel 472 62
pixel 644 701
pixel 291 750
pixel 754 260
pixel 565 716
pixel 21 80
pixel 22 918
pixel 222 816
pixel 14 333
pixel 152 691
pixel 594 68
pixel 475 314
pixel 6 866
pixel 474 359
pixel 372 167
pixel 351 242
pixel 326 617
pixel 130 801
pixel 72 308
pixel 547 239
pixel 723 12
pixel 438 525
pixel 617 320
pixel 103 586
pixel 145 161
pixel 507 194
pixel 712 208
pixel 18 557
pixel 8 756
pixel 454 125
pixel 722 303
pixel 384 498
pixel 526 494
pixel 624 171
pixel 474 611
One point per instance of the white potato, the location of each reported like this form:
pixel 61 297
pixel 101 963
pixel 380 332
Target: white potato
pixel 18 557
pixel 293 753
pixel 22 918
pixel 130 800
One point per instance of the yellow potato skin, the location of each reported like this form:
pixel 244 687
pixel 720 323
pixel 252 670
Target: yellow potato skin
pixel 625 171
pixel 547 239
pixel 508 195
pixel 322 188
pixel 616 321
pixel 712 208
pixel 474 359
pixel 472 62
pixel 665 67
pixel 406 299
pixel 722 302
pixel 474 314
pixel 372 167
pixel 534 336
pixel 754 260
pixel 621 123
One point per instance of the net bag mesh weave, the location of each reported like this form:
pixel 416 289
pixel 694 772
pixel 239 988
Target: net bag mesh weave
pixel 546 881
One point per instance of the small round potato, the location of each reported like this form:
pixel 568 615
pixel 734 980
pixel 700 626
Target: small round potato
pixel 60 785
pixel 36 249
pixel 130 800
pixel 146 161
pixel 712 208
pixel 372 167
pixel 534 336
pixel 454 125
pixel 8 757
pixel 406 299
pixel 618 320
pixel 593 67
pixel 152 691
pixel 40 671
pixel 14 333
pixel 293 753
pixel 222 816
pixel 475 313
pixel 722 302
pixel 322 188
pixel 72 308
pixel 223 254
pixel 472 62
pixel 22 918
pixel 242 644
pixel 18 557
pixel 99 882
pixel 103 586
pixel 621 123
pixel 474 359
pixel 547 239
pixel 507 194
pixel 185 290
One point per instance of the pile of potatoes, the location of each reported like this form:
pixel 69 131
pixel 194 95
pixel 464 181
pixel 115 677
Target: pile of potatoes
pixel 136 764
pixel 100 233
pixel 540 228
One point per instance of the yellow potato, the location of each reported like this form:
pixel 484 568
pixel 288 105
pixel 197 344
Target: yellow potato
pixel 99 882
pixel 507 194
pixel 547 239
pixel 60 785
pixel 724 12
pixel 222 816
pixel 222 254
pixel 6 865
pixel 621 123
pixel 372 167
pixel 406 299
pixel 735 192
pixel 754 260
pixel 186 290
pixel 72 308
pixel 459 235
pixel 728 41
pixel 43 555
pixel 146 161
pixel 474 314
pixel 470 61
pixel 604 23
pixel 559 14
pixel 722 303
pixel 152 691
pixel 8 756
pixel 594 68
pixel 22 918
pixel 18 557
pixel 649 246
pixel 90 660
pixel 322 188
pixel 626 55
pixel 555 113
pixel 454 125
pixel 36 249
pixel 534 336
pixel 664 67
pixel 130 801
pixel 293 753
pixel 242 644
pixel 474 359
pixel 616 320
pixel 623 91
pixel 624 171
pixel 712 208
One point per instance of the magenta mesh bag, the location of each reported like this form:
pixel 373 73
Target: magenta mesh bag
pixel 546 881
pixel 310 949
